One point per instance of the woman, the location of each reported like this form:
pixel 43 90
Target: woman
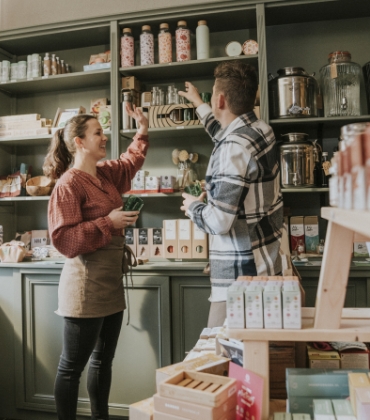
pixel 85 222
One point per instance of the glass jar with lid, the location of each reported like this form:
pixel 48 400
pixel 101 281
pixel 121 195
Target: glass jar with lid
pixel 146 46
pixel 127 48
pixel 340 81
pixel 183 52
pixel 164 44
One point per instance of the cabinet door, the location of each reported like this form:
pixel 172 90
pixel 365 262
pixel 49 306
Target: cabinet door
pixel 190 308
pixel 144 344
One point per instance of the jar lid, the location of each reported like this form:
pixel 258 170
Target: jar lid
pixel 291 71
pixel 145 28
pixel 295 136
pixel 163 26
pixel 126 30
pixel 181 23
pixel 339 55
pixel 202 22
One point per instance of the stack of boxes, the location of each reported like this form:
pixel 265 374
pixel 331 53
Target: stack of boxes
pixel 264 302
pixel 332 410
pixel 178 239
pixel 24 125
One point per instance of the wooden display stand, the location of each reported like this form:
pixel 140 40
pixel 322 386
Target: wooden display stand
pixel 328 321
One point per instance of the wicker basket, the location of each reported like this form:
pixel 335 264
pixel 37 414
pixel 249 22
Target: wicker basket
pixel 40 185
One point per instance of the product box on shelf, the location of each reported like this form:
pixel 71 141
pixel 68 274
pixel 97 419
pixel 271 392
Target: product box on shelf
pixel 138 183
pixel 95 105
pixel 291 302
pixel 165 416
pixel 343 410
pixel 19 118
pixel 209 363
pixel 356 380
pixel 311 233
pixel 360 249
pixel 142 248
pixel 39 238
pixel 272 309
pixel 186 410
pixel 142 410
pixel 152 184
pixel 97 66
pixel 170 244
pixel 354 359
pixel 253 306
pixel 199 246
pixel 167 184
pixel 163 116
pixel 131 82
pixel 184 236
pixel 296 231
pixel 156 243
pixel 235 306
pixel 211 390
pixel 131 239
pixel 319 359
pixel 323 410
pixel 362 403
pixel 105 116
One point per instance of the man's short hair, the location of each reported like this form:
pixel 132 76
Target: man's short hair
pixel 238 82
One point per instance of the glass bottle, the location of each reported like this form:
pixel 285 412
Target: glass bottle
pixel 183 52
pixel 202 37
pixel 300 246
pixel 47 65
pixel 164 44
pixel 146 46
pixel 62 67
pixel 54 69
pixel 126 119
pixel 155 96
pixel 127 48
pixel 320 247
pixel 58 65
pixel 340 81
pixel 325 166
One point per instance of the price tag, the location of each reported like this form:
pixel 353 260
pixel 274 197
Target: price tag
pixel 333 70
pixel 180 127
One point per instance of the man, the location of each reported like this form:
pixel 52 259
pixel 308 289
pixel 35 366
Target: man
pixel 244 210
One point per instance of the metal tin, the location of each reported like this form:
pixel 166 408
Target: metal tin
pixel 233 49
pixel 293 94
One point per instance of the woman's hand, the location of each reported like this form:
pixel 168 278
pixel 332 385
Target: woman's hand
pixel 122 219
pixel 139 117
pixel 191 94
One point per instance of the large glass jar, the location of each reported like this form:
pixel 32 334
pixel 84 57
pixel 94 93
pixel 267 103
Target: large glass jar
pixel 146 46
pixel 183 52
pixel 340 81
pixel 164 44
pixel 127 48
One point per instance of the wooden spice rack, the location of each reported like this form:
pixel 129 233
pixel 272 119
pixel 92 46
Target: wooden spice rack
pixel 328 321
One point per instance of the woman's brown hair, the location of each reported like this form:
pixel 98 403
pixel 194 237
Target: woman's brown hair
pixel 63 148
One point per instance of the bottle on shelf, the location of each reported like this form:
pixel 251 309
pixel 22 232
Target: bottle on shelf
pixel 183 52
pixel 54 68
pixel 127 48
pixel 58 65
pixel 47 65
pixel 202 37
pixel 68 68
pixel 62 67
pixel 126 119
pixel 164 44
pixel 146 46
pixel 320 247
pixel 300 246
pixel 325 166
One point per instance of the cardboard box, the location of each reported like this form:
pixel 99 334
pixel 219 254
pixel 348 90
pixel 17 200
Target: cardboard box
pixel 209 363
pixel 356 380
pixel 170 244
pixel 253 306
pixel 142 248
pixel 319 359
pixel 163 116
pixel 360 249
pixel 192 411
pixel 291 302
pixel 235 311
pixel 156 243
pixel 323 410
pixel 142 410
pixel 184 236
pixel 211 390
pixel 199 245
pixel 311 233
pixel 167 184
pixel 354 359
pixel 131 82
pixel 131 239
pixel 362 403
pixel 301 416
pixel 296 231
pixel 165 416
pixel 152 184
pixel 297 404
pixel 95 105
pixel 138 183
pixel 283 416
pixel 39 238
pixel 272 309
pixel 343 410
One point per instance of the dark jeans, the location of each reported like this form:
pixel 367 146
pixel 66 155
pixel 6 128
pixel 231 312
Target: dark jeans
pixel 85 337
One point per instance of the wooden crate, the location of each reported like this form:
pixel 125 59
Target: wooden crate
pixel 199 388
pixel 160 116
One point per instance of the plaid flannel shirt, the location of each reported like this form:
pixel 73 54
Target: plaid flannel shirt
pixel 244 213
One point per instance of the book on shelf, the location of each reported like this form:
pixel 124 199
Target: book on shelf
pixel 21 117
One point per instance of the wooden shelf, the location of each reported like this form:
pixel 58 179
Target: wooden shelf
pixel 319 120
pixel 25 198
pixel 355 220
pixel 173 132
pixel 304 190
pixel 77 80
pixel 354 327
pixel 182 70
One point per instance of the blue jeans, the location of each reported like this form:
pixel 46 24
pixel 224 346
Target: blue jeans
pixel 85 337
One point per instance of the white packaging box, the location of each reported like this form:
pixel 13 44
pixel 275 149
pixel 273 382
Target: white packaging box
pixel 260 280
pixel 152 183
pixel 291 297
pixel 39 238
pixel 131 239
pixel 184 238
pixel 253 306
pixel 272 312
pixel 199 243
pixel 142 248
pixel 235 307
pixel 170 238
pixel 343 410
pixel 156 243
pixel 323 410
pixel 168 183
pixel 138 183
pixel 363 403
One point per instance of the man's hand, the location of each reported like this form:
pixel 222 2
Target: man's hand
pixel 191 94
pixel 190 199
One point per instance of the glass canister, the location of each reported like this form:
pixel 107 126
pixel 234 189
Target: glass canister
pixel 340 81
pixel 183 52
pixel 164 44
pixel 127 48
pixel 146 46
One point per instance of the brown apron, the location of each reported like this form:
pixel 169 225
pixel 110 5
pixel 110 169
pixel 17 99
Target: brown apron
pixel 91 285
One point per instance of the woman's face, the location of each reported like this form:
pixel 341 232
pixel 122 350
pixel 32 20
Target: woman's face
pixel 95 141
